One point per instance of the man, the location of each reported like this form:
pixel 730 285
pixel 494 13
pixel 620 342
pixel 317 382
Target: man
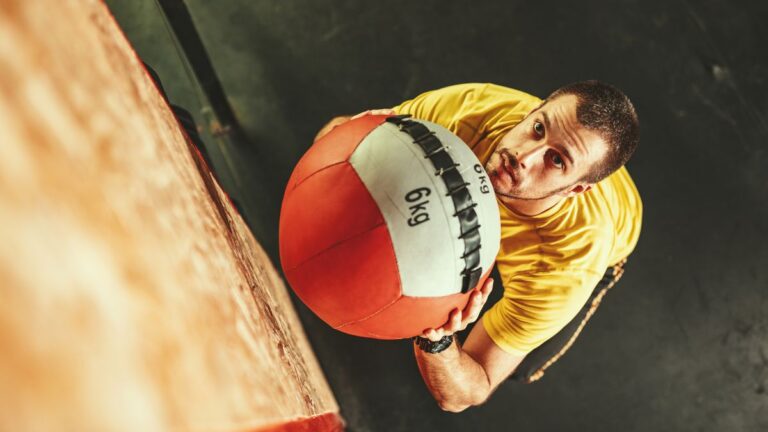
pixel 570 216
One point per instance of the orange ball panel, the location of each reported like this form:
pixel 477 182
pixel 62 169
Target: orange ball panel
pixel 335 147
pixel 326 209
pixel 409 316
pixel 352 280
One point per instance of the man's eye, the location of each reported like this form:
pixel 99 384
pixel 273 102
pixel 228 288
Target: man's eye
pixel 557 160
pixel 538 128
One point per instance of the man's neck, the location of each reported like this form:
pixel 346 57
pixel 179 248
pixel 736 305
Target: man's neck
pixel 531 207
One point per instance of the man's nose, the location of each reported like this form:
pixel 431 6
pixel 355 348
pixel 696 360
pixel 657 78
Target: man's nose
pixel 528 155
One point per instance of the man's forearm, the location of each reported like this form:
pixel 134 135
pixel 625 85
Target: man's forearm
pixel 453 377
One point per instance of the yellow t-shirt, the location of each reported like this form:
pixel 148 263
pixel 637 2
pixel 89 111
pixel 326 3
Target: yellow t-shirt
pixel 551 262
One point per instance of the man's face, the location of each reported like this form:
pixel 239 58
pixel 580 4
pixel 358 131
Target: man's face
pixel 547 153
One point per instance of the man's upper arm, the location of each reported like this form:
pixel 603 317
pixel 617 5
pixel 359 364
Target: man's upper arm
pixel 541 305
pixel 497 363
pixel 443 106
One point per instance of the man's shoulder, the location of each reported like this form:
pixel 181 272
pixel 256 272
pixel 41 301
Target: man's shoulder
pixel 505 91
pixel 621 203
pixel 600 213
pixel 572 239
pixel 485 96
pixel 599 227
pixel 619 181
pixel 505 100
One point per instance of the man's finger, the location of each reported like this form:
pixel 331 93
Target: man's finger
pixel 475 302
pixel 455 321
pixel 472 298
pixel 431 334
pixel 475 306
pixel 487 288
pixel 360 114
pixel 383 111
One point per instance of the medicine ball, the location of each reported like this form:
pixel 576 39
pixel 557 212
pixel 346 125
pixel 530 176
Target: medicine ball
pixel 387 224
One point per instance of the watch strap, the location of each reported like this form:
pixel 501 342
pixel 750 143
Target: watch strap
pixel 435 347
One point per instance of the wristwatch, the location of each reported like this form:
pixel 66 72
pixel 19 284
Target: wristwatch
pixel 430 347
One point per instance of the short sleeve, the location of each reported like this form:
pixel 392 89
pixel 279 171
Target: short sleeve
pixel 452 107
pixel 536 306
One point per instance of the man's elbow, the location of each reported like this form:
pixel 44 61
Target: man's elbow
pixel 457 406
pixel 454 408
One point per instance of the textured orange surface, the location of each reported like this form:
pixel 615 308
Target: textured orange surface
pixel 133 297
pixel 321 423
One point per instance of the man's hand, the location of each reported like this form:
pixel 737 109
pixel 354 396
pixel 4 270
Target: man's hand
pixel 382 111
pixel 458 320
pixel 343 119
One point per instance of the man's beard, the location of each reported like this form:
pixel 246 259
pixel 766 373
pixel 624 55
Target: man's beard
pixel 531 198
pixel 521 197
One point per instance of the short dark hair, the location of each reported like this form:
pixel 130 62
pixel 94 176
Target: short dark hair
pixel 608 111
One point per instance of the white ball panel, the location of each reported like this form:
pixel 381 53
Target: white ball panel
pixel 415 208
pixel 418 213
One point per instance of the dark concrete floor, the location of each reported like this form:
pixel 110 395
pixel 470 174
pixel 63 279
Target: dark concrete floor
pixel 681 344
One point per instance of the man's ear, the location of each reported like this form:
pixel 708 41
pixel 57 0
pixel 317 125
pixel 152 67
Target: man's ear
pixel 578 188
